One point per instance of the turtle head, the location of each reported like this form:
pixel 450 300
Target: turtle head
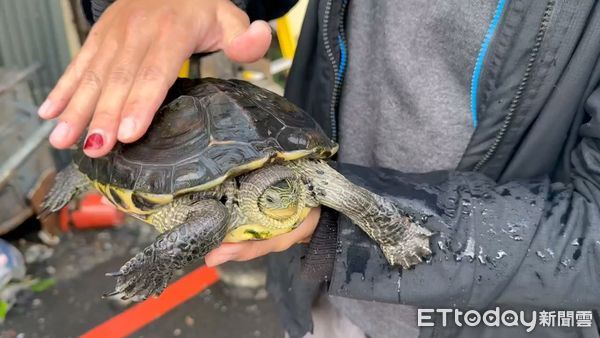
pixel 279 201
pixel 271 202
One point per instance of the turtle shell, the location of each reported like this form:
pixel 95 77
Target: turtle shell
pixel 207 131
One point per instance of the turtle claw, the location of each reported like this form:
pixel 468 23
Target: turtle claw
pixel 108 294
pixel 412 250
pixel 141 277
pixel 114 274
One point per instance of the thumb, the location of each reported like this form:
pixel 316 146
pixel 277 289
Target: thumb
pixel 243 42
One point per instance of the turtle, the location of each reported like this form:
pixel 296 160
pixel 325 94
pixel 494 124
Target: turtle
pixel 227 161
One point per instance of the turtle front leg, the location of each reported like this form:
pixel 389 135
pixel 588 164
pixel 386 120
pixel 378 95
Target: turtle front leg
pixel 149 272
pixel 401 238
pixel 68 183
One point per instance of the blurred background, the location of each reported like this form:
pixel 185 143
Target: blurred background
pixel 52 272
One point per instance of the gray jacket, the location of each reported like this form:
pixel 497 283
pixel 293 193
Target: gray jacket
pixel 518 222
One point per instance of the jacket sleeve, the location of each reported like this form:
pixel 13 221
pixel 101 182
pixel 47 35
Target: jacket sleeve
pixel 256 9
pixel 266 9
pixel 523 243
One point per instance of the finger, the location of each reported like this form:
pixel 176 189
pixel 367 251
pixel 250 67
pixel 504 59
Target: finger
pixel 250 250
pixel 250 44
pixel 302 233
pixel 156 74
pixel 81 106
pixel 119 81
pixel 225 252
pixel 60 95
pixel 305 240
pixel 228 248
pixel 257 249
pixel 242 41
pixel 238 252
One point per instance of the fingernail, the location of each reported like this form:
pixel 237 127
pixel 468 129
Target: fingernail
pixel 126 128
pixel 93 141
pixel 45 109
pixel 60 132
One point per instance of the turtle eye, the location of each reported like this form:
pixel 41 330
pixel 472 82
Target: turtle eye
pixel 270 199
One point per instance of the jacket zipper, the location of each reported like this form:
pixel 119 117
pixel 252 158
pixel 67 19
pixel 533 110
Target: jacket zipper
pixel 481 57
pixel 516 100
pixel 337 69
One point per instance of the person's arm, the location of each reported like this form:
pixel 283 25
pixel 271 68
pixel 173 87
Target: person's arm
pixel 525 243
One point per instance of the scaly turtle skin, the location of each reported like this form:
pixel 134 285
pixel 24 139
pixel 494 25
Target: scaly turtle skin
pixel 225 160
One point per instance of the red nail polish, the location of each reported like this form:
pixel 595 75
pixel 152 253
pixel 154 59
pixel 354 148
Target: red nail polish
pixel 94 141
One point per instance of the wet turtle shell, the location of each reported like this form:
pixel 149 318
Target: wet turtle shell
pixel 207 131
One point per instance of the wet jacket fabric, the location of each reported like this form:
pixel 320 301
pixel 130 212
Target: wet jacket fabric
pixel 517 223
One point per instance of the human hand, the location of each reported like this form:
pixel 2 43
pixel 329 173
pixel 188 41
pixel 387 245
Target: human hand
pixel 245 251
pixel 132 56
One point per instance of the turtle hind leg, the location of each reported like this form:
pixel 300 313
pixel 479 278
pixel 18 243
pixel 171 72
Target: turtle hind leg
pixel 148 272
pixel 68 183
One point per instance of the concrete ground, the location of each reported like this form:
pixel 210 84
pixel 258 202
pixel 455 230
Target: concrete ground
pixel 73 306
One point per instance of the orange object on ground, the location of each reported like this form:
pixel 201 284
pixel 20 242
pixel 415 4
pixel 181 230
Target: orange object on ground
pixel 93 211
pixel 138 316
